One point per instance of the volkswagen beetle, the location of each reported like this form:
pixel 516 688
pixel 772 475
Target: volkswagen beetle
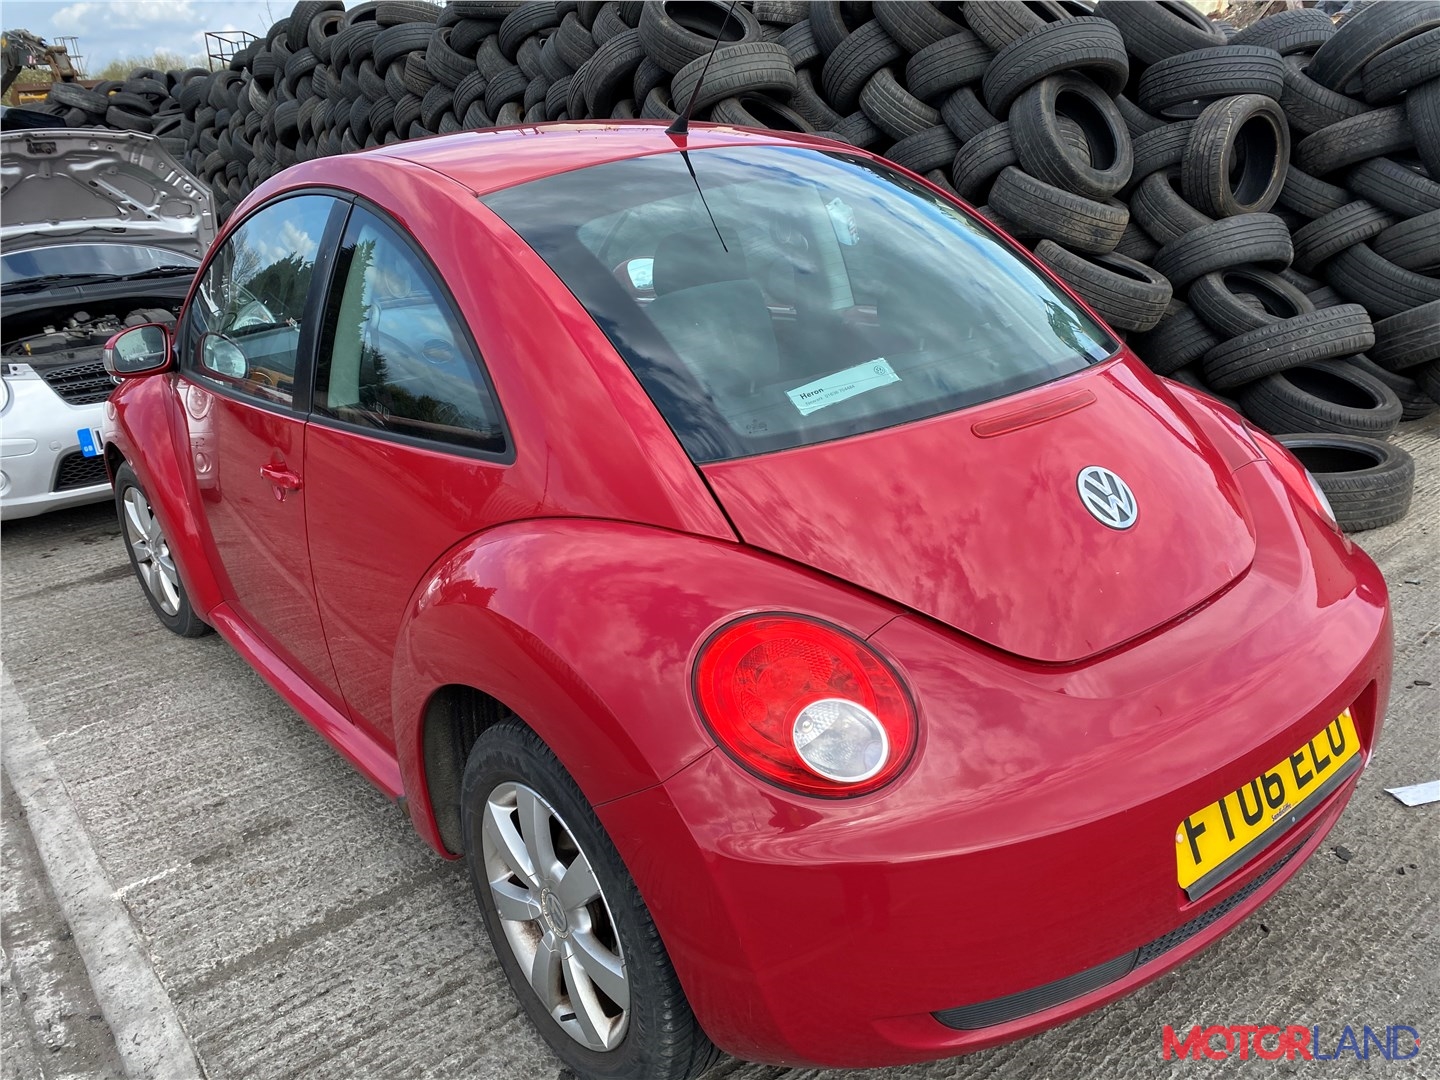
pixel 821 637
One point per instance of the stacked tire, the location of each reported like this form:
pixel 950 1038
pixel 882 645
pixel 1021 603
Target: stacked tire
pixel 1257 210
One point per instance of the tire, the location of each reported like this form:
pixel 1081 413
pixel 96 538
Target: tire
pixel 508 86
pixel 1325 237
pixel 680 33
pixel 414 77
pixel 980 160
pixel 1137 119
pixel 853 61
pixel 1181 86
pixel 125 120
pixel 1329 396
pixel 1246 238
pixel 999 22
pixel 925 151
pixel 1162 148
pixel 1084 225
pixel 1374 134
pixel 781 12
pixel 965 115
pixel 1403 67
pixel 1415 404
pixel 1161 211
pixel 1236 158
pixel 1422 111
pixel 445 63
pixel 894 109
pixel 394 42
pixel 1154 31
pixel 77 97
pixel 809 104
pixel 1407 340
pixel 938 70
pixel 524 21
pixel 1089 45
pixel 1401 190
pixel 857 130
pixel 612 71
pixel 1310 107
pixel 1366 35
pixel 759 66
pixel 1135 242
pixel 1125 293
pixel 758 111
pixel 915 27
pixel 1047 155
pixel 510 771
pixel 1311 197
pixel 1368 482
pixel 1286 343
pixel 799 41
pixel 1384 288
pixel 1180 338
pixel 1237 301
pixel 1300 31
pixel 150 554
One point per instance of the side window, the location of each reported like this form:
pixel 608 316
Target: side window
pixel 394 356
pixel 244 326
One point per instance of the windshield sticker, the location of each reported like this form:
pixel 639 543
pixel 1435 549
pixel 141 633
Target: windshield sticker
pixel 841 385
pixel 842 220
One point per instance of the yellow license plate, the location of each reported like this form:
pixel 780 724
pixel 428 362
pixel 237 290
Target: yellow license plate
pixel 1212 843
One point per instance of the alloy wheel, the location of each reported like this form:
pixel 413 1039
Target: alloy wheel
pixel 153 561
pixel 556 919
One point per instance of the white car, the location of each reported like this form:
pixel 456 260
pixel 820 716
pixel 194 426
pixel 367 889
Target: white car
pixel 101 230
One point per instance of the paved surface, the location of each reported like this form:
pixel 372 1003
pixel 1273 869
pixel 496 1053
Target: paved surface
pixel 300 929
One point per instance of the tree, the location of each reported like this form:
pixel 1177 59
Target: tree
pixel 162 60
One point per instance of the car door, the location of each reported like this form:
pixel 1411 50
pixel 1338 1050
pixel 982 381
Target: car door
pixel 244 376
pixel 406 453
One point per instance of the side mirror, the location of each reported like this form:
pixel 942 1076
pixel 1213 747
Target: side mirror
pixel 138 350
pixel 222 356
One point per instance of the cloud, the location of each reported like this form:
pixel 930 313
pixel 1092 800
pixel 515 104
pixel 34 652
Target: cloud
pixel 122 15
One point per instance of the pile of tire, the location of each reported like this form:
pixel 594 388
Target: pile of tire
pixel 1258 211
pixel 146 101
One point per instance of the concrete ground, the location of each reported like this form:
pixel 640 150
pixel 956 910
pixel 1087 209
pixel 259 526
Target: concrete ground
pixel 286 913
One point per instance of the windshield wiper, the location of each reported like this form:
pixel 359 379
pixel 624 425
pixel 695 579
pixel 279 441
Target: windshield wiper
pixel 37 283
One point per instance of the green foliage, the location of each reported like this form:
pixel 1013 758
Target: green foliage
pixel 161 61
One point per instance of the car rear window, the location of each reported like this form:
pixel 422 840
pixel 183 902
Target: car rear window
pixel 777 296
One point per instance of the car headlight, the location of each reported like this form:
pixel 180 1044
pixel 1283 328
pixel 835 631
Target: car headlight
pixel 1320 497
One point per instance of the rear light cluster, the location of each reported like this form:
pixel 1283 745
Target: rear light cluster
pixel 805 705
pixel 1296 477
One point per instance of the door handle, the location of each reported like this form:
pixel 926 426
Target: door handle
pixel 281 478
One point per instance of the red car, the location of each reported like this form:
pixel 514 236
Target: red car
pixel 821 637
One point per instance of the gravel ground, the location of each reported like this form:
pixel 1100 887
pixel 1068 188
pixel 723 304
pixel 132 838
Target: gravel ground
pixel 302 930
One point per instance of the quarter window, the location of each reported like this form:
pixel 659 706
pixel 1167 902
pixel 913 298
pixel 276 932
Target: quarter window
pixel 394 357
pixel 244 324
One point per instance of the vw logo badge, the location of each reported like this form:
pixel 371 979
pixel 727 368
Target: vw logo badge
pixel 1107 497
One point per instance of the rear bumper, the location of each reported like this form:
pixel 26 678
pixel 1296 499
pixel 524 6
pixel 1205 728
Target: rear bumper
pixel 1022 871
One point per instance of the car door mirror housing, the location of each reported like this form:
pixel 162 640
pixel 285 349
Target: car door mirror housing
pixel 138 350
pixel 222 356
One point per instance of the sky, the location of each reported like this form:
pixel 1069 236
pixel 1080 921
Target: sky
pixel 109 29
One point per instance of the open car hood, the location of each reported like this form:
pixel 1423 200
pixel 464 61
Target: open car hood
pixel 975 518
pixel 97 186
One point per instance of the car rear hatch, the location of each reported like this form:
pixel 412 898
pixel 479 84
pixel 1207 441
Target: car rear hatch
pixel 975 517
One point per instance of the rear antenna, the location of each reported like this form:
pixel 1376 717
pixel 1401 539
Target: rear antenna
pixel 681 123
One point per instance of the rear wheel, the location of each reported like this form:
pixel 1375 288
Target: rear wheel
pixel 566 920
pixel 152 559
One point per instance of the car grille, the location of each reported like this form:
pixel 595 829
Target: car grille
pixel 1013 1006
pixel 79 384
pixel 78 471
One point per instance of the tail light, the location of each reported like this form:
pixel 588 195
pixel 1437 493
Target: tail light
pixel 805 705
pixel 1296 477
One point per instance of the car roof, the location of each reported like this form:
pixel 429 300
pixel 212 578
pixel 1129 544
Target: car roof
pixel 497 158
